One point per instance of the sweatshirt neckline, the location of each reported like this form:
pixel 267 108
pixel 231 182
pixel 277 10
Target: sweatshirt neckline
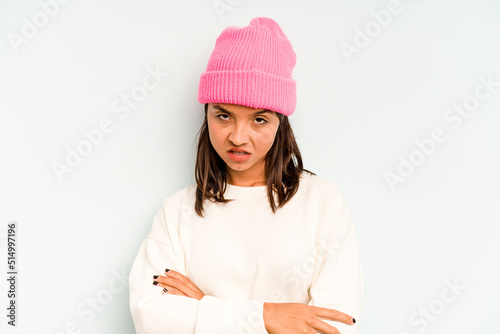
pixel 245 193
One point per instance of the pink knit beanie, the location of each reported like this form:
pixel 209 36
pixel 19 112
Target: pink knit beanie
pixel 251 66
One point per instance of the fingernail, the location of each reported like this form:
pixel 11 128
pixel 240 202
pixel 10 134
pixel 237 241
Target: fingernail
pixel 155 283
pixel 164 289
pixel 353 320
pixel 155 276
pixel 167 270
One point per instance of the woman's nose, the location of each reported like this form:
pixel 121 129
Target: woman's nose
pixel 239 134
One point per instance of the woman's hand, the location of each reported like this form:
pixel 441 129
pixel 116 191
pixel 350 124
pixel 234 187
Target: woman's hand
pixel 177 284
pixel 285 318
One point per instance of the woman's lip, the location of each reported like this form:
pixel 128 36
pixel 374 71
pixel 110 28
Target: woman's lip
pixel 238 157
pixel 237 150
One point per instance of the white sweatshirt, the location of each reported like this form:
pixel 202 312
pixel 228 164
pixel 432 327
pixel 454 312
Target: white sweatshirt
pixel 242 255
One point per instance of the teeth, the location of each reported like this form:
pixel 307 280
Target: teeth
pixel 238 153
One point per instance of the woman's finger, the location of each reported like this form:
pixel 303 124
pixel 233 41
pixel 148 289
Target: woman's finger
pixel 323 327
pixel 160 282
pixel 177 275
pixel 179 285
pixel 331 314
pixel 165 281
pixel 172 291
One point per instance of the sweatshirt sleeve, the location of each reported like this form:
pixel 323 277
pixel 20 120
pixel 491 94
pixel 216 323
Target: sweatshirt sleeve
pixel 155 313
pixel 338 281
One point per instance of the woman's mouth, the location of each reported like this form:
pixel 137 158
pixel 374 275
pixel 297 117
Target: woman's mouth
pixel 238 156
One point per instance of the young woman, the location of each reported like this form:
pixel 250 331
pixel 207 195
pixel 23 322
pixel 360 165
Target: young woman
pixel 259 244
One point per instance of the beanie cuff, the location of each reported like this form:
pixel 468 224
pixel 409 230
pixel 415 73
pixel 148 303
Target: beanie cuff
pixel 251 88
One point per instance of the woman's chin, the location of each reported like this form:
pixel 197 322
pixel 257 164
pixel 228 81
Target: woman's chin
pixel 238 166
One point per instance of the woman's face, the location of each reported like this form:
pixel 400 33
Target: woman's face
pixel 235 127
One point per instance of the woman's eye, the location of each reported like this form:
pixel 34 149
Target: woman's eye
pixel 223 115
pixel 263 119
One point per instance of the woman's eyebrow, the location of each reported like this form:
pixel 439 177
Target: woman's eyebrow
pixel 255 113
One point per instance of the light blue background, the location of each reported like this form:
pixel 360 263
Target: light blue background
pixel 356 117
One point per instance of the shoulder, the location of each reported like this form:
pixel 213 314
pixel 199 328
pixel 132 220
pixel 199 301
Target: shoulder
pixel 326 197
pixel 165 227
pixel 181 196
pixel 316 185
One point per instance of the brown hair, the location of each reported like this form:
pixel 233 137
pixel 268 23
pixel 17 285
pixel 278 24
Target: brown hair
pixel 282 172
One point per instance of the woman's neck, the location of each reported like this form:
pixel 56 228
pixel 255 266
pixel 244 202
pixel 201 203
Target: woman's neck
pixel 246 180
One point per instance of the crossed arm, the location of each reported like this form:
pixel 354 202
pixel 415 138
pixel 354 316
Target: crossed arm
pixel 279 318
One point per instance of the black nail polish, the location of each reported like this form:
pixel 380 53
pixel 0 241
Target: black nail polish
pixel 155 283
pixel 167 270
pixel 155 276
pixel 164 289
pixel 353 320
